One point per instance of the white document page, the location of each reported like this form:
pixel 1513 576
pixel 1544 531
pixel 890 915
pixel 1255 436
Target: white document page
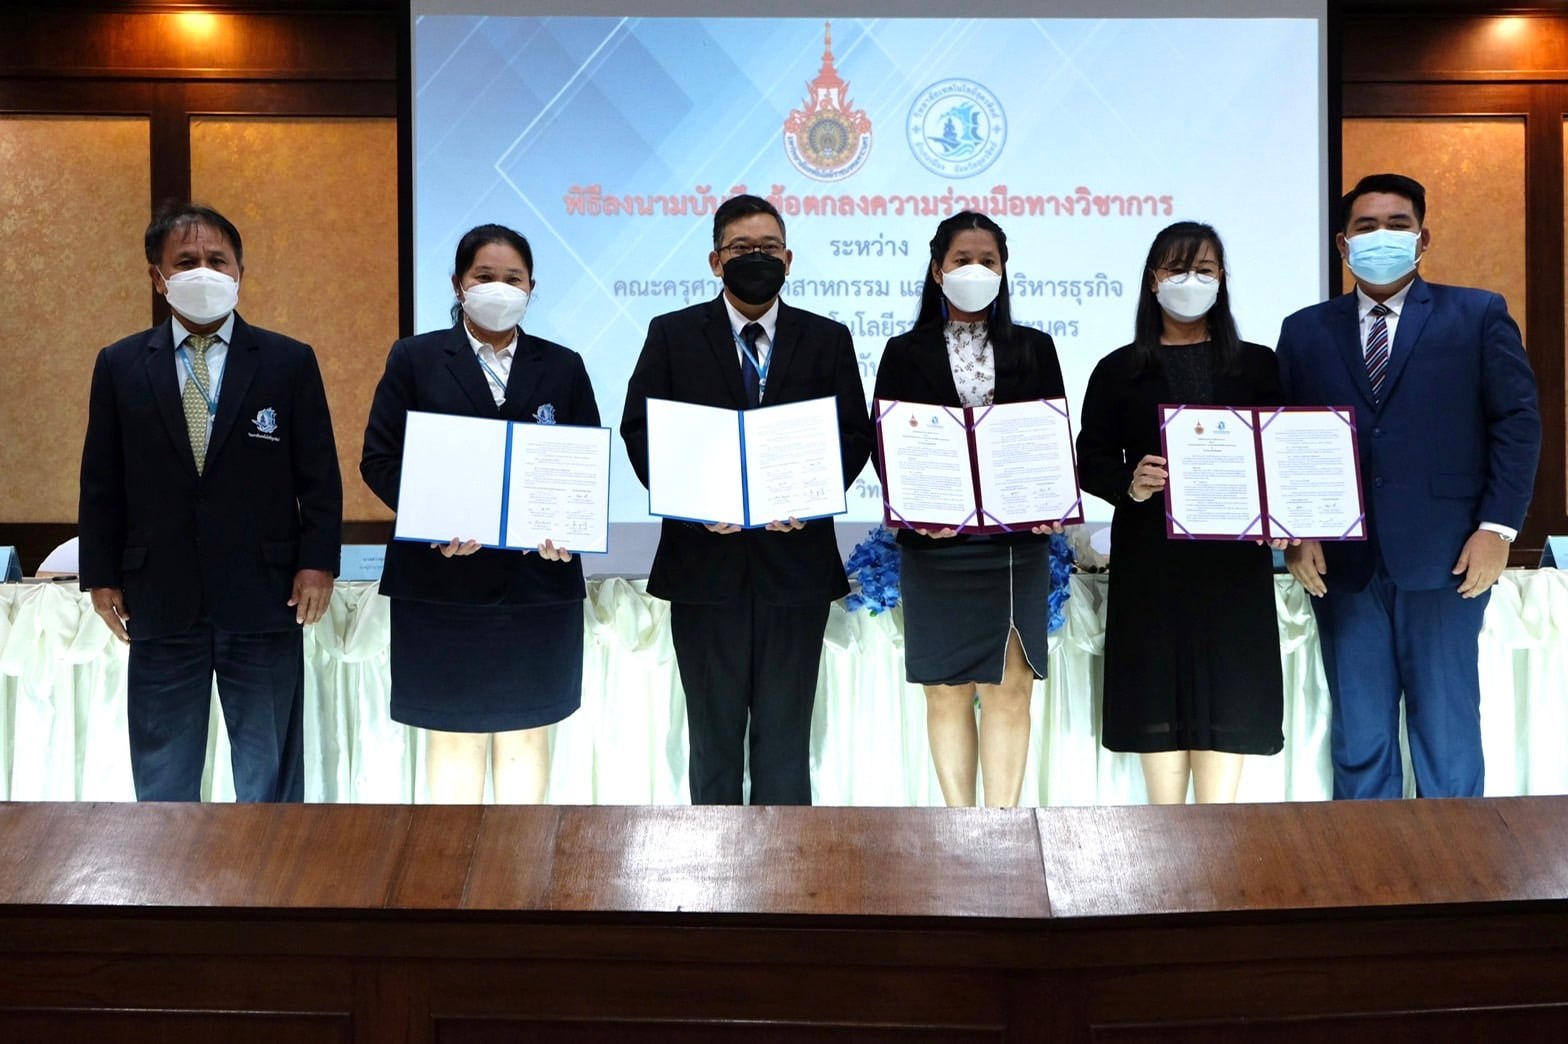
pixel 1025 455
pixel 1213 464
pixel 560 487
pixel 926 479
pixel 794 467
pixel 1309 469
pixel 694 462
pixel 451 484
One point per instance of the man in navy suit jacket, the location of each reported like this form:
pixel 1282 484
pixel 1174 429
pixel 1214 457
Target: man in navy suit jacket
pixel 1449 435
pixel 749 608
pixel 210 520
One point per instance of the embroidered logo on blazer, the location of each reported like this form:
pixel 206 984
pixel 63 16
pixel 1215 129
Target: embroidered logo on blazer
pixel 266 423
pixel 545 414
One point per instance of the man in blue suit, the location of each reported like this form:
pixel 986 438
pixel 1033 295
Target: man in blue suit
pixel 1449 435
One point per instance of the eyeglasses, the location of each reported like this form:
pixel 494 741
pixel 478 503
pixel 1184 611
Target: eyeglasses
pixel 1207 269
pixel 742 246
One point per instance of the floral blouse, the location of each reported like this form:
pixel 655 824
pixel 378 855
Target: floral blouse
pixel 973 363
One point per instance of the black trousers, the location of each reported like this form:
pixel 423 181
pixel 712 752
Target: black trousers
pixel 261 687
pixel 743 660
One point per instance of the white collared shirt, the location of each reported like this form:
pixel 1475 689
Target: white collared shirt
pixel 499 360
pixel 217 356
pixel 1395 305
pixel 769 323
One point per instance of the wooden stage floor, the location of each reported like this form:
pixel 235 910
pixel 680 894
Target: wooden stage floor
pixel 1386 921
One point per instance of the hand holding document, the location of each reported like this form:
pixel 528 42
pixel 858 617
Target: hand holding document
pixel 992 469
pixel 504 484
pixel 1269 473
pixel 745 467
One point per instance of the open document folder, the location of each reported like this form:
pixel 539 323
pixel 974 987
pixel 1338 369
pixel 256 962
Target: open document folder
pixel 1271 472
pixel 506 484
pixel 745 467
pixel 988 469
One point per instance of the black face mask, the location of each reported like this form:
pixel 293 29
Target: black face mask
pixel 755 278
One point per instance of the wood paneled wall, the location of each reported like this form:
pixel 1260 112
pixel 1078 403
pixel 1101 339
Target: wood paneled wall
pixel 1402 64
pixel 284 80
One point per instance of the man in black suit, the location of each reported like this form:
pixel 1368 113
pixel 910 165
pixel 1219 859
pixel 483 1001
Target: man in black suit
pixel 211 519
pixel 749 607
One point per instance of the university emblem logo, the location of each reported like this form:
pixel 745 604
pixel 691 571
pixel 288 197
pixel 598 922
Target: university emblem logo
pixel 827 138
pixel 956 128
pixel 545 414
pixel 266 421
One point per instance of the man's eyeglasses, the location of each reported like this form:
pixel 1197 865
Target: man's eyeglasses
pixel 742 246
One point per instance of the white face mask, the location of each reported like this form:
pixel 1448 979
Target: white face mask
pixel 1188 296
pixel 971 288
pixel 201 295
pixel 496 307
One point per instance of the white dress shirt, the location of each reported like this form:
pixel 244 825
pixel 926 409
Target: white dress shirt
pixel 769 323
pixel 493 359
pixel 217 355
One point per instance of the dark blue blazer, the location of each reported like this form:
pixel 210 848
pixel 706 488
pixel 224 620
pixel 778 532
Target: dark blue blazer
pixel 228 542
pixel 1452 442
pixel 438 372
pixel 690 356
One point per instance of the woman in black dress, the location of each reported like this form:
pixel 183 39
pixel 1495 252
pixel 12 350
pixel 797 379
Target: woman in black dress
pixel 487 645
pixel 1192 667
pixel 976 608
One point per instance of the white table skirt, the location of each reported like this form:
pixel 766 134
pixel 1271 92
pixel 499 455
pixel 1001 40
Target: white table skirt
pixel 63 734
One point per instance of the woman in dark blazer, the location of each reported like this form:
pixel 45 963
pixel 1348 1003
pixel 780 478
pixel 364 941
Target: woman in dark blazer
pixel 1192 670
pixel 486 644
pixel 976 608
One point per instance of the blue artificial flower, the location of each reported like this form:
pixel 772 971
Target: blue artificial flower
pixel 874 565
pixel 1061 581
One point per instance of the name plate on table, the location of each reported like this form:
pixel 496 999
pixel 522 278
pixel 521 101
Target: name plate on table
pixel 506 484
pixel 362 562
pixel 1263 473
pixel 1555 554
pixel 10 566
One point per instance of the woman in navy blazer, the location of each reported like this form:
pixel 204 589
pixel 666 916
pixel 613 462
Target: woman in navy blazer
pixel 976 609
pixel 486 644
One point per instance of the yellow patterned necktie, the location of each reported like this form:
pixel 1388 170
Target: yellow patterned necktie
pixel 197 381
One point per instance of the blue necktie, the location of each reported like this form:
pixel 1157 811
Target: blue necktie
pixel 1377 349
pixel 748 370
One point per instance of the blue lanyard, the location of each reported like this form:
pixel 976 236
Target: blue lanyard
pixel 495 377
pixel 190 373
pixel 751 357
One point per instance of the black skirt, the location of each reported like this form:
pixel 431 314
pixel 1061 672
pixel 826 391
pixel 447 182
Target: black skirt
pixel 961 603
pixel 485 668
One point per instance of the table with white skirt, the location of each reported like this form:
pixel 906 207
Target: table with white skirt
pixel 63 731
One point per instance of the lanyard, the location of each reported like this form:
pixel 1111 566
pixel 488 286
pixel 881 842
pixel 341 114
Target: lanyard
pixel 751 357
pixel 190 373
pixel 494 377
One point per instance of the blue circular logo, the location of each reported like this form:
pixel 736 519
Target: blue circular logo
pixel 956 128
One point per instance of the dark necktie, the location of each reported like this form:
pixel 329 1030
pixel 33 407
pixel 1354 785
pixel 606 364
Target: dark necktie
pixel 1377 349
pixel 748 366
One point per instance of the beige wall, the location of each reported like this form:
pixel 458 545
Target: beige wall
pixel 316 203
pixel 1473 170
pixel 73 206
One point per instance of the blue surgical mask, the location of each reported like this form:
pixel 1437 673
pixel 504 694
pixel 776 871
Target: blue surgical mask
pixel 1382 256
